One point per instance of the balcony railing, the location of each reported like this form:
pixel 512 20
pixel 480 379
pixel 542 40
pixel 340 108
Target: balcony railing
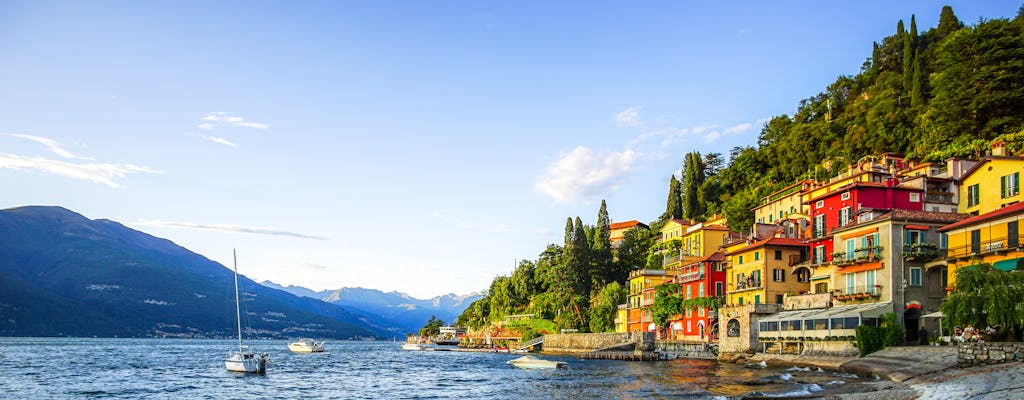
pixel 858 256
pixel 939 197
pixel 748 283
pixel 690 277
pixel 994 245
pixel 797 259
pixel 859 292
pixel 920 251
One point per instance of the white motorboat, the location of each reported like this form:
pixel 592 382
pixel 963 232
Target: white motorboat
pixel 306 345
pixel 244 360
pixel 531 362
pixel 412 346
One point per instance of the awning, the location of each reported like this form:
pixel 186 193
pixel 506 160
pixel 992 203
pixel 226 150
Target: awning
pixel 937 314
pixel 818 278
pixel 859 268
pixel 1009 264
pixel 652 327
pixel 859 310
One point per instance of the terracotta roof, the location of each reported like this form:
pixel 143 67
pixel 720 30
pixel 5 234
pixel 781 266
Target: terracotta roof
pixel 1008 210
pixel 911 215
pixel 715 228
pixel 626 224
pixel 984 160
pixel 772 241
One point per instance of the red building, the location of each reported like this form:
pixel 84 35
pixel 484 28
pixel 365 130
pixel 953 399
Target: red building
pixel 703 278
pixel 840 207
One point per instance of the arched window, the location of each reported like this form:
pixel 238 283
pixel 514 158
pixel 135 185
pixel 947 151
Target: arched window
pixel 733 328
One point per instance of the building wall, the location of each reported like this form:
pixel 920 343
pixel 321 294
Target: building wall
pixel 987 177
pixel 993 246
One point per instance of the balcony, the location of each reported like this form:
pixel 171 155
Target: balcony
pixel 920 252
pixel 991 246
pixel 859 292
pixel 939 197
pixel 797 259
pixel 749 283
pixel 690 277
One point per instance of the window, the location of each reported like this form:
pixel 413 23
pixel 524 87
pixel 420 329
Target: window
pixel 700 290
pixel 819 255
pixel 689 292
pixel 780 214
pixel 821 287
pixel 1010 185
pixel 850 247
pixel 803 275
pixel 779 275
pixel 757 255
pixel 778 299
pixel 819 225
pixel 819 204
pixel 915 197
pixel 778 254
pixel 912 236
pixel 972 195
pixel 1012 235
pixel 757 299
pixel 719 289
pixel 741 259
pixel 850 283
pixel 700 312
pixel 845 196
pixel 976 241
pixel 845 216
pixel 741 301
pixel 869 278
pixel 915 276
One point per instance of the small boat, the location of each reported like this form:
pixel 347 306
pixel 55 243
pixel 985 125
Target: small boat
pixel 306 345
pixel 531 362
pixel 244 360
pixel 448 336
pixel 412 346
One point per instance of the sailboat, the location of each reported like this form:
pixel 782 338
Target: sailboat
pixel 244 360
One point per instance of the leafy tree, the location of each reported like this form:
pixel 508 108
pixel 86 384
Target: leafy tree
pixel 523 284
pixel 605 307
pixel 432 328
pixel 986 296
pixel 948 22
pixel 632 252
pixel 667 303
pixel 603 268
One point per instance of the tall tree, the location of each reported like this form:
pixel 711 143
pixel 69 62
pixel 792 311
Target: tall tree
pixel 948 23
pixel 606 305
pixel 909 56
pixel 601 250
pixel 693 177
pixel 674 205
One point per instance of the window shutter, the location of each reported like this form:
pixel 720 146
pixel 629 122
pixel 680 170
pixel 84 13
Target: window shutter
pixel 1002 186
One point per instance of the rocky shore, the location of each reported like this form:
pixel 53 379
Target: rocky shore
pixel 913 372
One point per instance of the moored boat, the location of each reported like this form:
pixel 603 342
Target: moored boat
pixel 531 362
pixel 412 346
pixel 244 360
pixel 306 345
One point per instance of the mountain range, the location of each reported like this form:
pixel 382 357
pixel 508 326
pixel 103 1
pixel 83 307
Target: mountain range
pixel 407 312
pixel 62 274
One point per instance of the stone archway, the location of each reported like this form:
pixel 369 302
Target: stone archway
pixel 732 328
pixel 912 323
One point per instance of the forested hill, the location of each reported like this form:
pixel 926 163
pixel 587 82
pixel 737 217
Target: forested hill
pixel 947 91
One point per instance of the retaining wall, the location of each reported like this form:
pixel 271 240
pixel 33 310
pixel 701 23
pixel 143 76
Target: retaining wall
pixel 978 353
pixel 688 349
pixel 573 343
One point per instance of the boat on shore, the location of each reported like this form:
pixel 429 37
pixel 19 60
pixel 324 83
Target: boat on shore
pixel 531 362
pixel 306 345
pixel 448 336
pixel 245 359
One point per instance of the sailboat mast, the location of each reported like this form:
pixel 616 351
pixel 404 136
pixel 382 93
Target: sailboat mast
pixel 238 311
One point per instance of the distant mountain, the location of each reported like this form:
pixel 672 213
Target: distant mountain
pixel 62 274
pixel 408 312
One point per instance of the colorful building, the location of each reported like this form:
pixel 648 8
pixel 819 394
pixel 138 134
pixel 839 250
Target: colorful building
pixel 991 184
pixel 992 238
pixel 618 231
pixel 702 278
pixel 759 272
pixel 782 204
pixel 641 296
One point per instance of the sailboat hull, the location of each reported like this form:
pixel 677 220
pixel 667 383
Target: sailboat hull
pixel 246 363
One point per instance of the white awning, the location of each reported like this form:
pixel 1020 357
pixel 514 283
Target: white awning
pixel 937 314
pixel 860 310
pixel 652 327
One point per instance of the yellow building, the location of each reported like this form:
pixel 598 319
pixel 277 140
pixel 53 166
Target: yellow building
pixel 760 273
pixel 991 238
pixel 638 318
pixel 672 237
pixel 704 239
pixel 991 184
pixel 782 204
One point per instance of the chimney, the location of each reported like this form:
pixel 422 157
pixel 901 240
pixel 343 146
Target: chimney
pixel 999 148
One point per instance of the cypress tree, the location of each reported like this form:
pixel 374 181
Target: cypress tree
pixel 674 205
pixel 948 22
pixel 693 177
pixel 909 56
pixel 568 232
pixel 917 84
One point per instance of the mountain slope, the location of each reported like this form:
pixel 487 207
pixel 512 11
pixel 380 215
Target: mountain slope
pixel 64 274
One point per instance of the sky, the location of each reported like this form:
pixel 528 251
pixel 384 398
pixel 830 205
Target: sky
pixel 416 146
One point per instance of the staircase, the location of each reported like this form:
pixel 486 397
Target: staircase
pixel 533 342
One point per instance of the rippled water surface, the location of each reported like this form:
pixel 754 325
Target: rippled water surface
pixel 187 369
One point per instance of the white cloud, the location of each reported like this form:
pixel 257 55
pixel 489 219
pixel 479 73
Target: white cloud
pixel 219 119
pixel 629 117
pixel 256 230
pixel 103 173
pixel 52 145
pixel 712 136
pixel 585 173
pixel 220 140
pixel 740 128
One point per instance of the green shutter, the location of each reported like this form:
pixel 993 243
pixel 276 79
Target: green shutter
pixel 1002 186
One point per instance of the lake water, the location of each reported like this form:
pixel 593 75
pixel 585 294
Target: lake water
pixel 191 369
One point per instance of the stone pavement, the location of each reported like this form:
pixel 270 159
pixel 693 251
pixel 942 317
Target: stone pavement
pixel 995 382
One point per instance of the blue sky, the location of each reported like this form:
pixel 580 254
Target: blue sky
pixel 422 147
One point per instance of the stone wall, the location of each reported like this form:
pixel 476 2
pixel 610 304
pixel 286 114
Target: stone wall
pixel 978 353
pixel 807 301
pixel 573 343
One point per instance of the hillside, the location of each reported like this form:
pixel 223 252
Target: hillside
pixel 62 274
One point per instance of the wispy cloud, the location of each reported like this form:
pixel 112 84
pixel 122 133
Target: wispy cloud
pixel 585 173
pixel 256 230
pixel 94 172
pixel 736 129
pixel 52 145
pixel 220 140
pixel 629 117
pixel 222 119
